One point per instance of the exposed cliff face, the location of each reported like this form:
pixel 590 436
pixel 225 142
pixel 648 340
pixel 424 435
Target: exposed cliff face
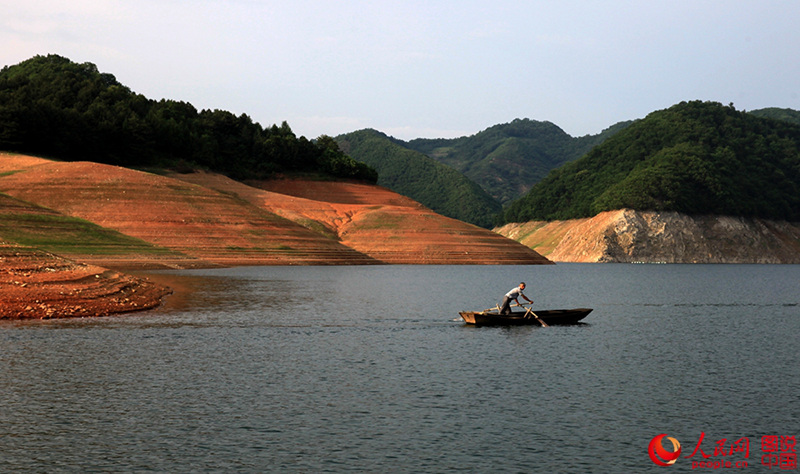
pixel 634 236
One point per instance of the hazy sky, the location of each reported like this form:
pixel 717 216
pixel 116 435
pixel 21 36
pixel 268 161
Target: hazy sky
pixel 425 68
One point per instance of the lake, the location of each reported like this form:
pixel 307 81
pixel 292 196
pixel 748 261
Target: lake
pixel 368 369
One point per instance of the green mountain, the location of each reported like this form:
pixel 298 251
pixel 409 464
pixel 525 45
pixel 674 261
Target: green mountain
pixel 506 160
pixel 787 115
pixel 411 173
pixel 695 158
pixel 51 106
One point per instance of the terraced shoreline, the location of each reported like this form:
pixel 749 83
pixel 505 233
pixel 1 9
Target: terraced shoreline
pixel 38 285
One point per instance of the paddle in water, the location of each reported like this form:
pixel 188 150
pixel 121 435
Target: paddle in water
pixel 529 312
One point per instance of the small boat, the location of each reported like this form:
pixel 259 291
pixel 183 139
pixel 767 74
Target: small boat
pixel 552 316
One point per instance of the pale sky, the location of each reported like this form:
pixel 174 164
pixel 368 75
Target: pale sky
pixel 433 69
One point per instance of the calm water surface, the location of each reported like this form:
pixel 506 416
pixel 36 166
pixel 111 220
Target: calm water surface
pixel 329 369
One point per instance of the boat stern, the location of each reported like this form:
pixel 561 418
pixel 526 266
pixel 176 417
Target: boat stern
pixel 467 316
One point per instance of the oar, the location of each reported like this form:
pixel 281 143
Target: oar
pixel 530 311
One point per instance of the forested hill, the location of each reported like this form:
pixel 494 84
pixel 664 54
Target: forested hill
pixel 51 106
pixel 506 160
pixel 694 157
pixel 411 173
pixel 787 115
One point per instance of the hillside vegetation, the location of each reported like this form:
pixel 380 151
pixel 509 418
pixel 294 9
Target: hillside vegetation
pixel 412 174
pixel 53 107
pixel 786 115
pixel 506 160
pixel 694 158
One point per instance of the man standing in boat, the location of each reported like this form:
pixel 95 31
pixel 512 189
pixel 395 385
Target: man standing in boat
pixel 514 294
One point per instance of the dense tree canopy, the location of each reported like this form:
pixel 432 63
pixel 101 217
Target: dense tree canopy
pixel 54 107
pixel 695 157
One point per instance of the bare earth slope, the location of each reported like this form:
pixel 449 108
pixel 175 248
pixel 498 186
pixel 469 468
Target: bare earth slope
pixel 220 221
pixel 669 237
pixel 376 222
pixel 212 228
pixel 79 240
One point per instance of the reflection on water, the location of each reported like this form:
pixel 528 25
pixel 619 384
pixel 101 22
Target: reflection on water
pixel 314 369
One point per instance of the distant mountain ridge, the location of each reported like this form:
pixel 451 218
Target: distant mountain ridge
pixel 694 158
pixel 470 178
pixel 776 113
pixel 506 160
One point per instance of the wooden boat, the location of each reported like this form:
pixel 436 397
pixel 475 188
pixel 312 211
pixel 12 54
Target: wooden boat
pixel 552 316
